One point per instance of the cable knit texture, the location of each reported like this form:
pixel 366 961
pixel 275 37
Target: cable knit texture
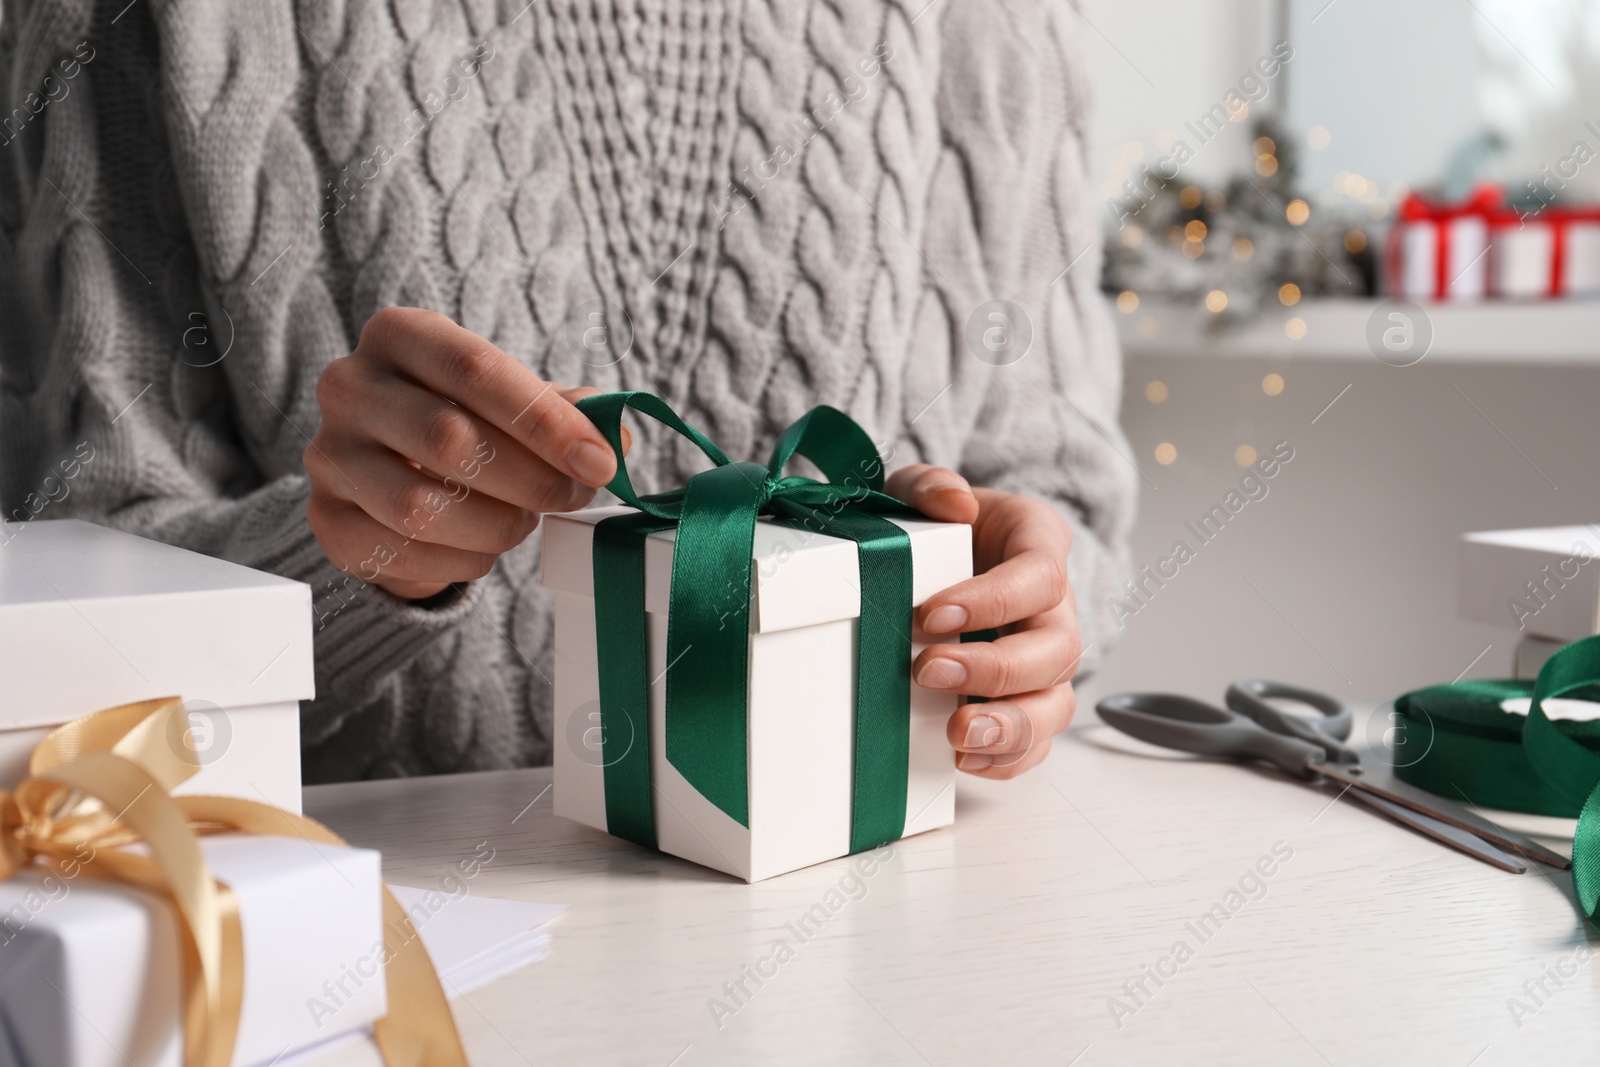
pixel 770 205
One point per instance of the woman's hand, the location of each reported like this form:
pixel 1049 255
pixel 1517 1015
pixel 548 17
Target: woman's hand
pixel 438 452
pixel 1019 549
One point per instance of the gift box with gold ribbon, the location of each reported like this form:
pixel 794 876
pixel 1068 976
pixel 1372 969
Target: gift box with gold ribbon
pixel 138 927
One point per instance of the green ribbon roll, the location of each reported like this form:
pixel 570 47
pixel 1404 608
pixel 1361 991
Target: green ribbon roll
pixel 1498 759
pixel 708 631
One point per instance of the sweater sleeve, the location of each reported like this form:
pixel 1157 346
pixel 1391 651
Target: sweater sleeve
pixel 164 326
pixel 1014 248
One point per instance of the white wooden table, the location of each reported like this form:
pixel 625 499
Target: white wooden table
pixel 1005 939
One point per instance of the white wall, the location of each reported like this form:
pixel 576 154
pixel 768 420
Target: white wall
pixel 1401 85
pixel 1393 81
pixel 1157 63
pixel 1355 544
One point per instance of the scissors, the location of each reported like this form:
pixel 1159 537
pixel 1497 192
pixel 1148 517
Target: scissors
pixel 1250 728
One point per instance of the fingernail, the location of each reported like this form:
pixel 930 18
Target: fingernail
pixel 941 673
pixel 973 761
pixel 983 731
pixel 945 620
pixel 591 463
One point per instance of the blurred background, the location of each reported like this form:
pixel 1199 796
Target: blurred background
pixel 1367 230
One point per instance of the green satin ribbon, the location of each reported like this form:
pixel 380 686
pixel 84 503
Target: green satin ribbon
pixel 1498 759
pixel 708 629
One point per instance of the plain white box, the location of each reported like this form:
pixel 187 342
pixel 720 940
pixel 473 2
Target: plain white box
pixel 1543 582
pixel 92 617
pixel 801 685
pixel 1531 654
pixel 90 973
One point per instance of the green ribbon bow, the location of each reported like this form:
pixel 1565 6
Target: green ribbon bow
pixel 708 630
pixel 1479 751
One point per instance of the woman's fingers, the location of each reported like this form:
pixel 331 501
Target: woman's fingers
pixel 447 448
pixel 360 545
pixel 417 506
pixel 577 393
pixel 458 446
pixel 1003 738
pixel 455 363
pixel 1017 588
pixel 937 492
pixel 1044 653
pixel 1020 548
pixel 1002 768
pixel 1020 545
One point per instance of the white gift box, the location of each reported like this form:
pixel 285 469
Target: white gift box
pixel 92 617
pixel 1542 582
pixel 91 972
pixel 1581 274
pixel 1524 262
pixel 1531 654
pixel 1462 240
pixel 806 600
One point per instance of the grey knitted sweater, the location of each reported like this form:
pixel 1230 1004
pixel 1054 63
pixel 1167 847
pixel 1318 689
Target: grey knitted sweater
pixel 770 204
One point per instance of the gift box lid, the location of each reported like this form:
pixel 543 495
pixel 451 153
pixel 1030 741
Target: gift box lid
pixel 1541 580
pixel 801 578
pixel 1561 540
pixel 91 617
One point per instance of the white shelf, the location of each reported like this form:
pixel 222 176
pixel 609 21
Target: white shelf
pixel 1561 332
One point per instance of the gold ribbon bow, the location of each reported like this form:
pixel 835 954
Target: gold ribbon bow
pixel 105 780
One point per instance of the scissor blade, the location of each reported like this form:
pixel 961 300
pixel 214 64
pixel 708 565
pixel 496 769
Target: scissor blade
pixel 1443 832
pixel 1447 811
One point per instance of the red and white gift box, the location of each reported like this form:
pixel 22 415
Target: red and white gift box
pixel 1548 254
pixel 1481 248
pixel 1439 251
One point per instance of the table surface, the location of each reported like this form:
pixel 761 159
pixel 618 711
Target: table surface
pixel 1022 935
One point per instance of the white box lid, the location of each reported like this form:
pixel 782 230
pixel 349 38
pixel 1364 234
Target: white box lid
pixel 801 578
pixel 91 617
pixel 1560 540
pixel 1541 581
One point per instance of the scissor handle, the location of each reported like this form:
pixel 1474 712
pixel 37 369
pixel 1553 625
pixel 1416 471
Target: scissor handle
pixel 1249 696
pixel 1190 725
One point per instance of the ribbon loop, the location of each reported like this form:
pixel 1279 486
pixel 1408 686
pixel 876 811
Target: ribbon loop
pixel 605 411
pixel 838 446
